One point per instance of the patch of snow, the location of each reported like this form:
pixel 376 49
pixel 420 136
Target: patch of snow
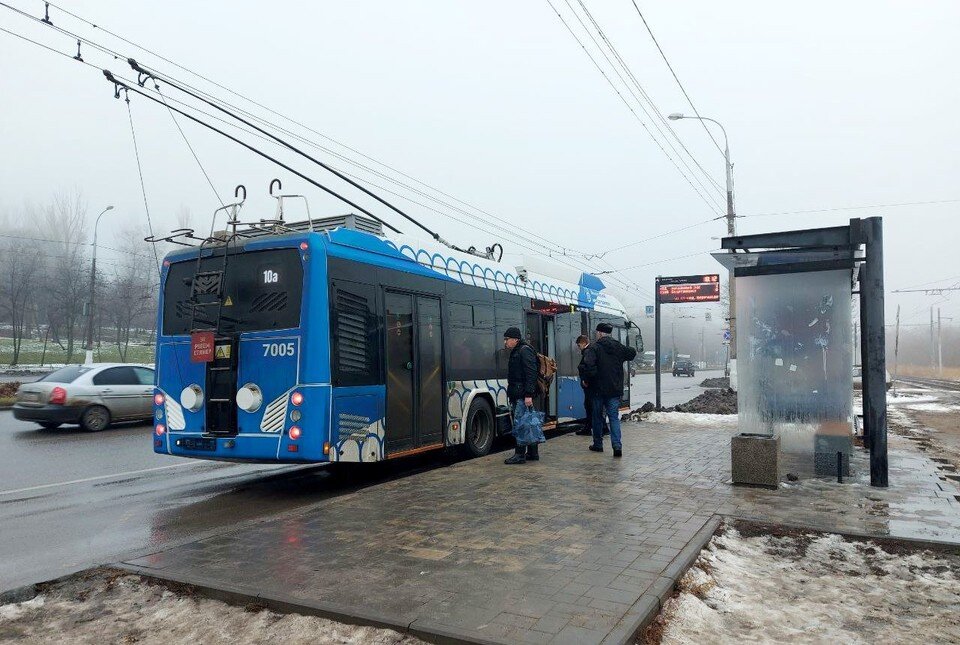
pixel 813 588
pixel 932 407
pixel 106 608
pixel 14 610
pixel 693 419
pixel 909 400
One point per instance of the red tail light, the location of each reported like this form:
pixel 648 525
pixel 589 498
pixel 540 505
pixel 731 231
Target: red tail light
pixel 158 398
pixel 294 433
pixel 296 398
pixel 160 429
pixel 58 396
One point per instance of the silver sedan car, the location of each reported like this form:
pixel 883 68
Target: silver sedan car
pixel 93 396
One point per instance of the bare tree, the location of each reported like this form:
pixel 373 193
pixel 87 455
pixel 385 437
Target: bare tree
pixel 20 264
pixel 67 281
pixel 131 295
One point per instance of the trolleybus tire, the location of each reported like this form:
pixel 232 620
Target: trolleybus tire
pixel 479 430
pixel 95 418
pixel 49 425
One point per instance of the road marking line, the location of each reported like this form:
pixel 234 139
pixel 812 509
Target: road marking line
pixel 93 479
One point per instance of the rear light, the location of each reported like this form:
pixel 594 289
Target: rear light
pixel 158 399
pixel 304 246
pixel 166 263
pixel 326 447
pixel 294 432
pixel 58 396
pixel 160 429
pixel 296 398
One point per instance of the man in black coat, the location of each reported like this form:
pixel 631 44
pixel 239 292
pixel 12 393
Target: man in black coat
pixel 582 343
pixel 522 371
pixel 603 369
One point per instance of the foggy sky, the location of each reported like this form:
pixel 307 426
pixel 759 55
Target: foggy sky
pixel 826 104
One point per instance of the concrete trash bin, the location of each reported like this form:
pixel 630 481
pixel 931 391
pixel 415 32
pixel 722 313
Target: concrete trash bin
pixel 755 459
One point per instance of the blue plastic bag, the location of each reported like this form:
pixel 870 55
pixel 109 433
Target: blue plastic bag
pixel 527 425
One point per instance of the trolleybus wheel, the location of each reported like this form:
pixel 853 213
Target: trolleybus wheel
pixel 95 419
pixel 479 429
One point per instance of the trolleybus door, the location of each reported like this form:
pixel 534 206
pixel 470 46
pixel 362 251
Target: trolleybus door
pixel 414 375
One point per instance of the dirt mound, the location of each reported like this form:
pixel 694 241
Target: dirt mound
pixel 721 382
pixel 710 402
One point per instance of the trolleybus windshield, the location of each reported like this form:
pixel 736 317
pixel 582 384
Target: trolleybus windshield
pixel 262 291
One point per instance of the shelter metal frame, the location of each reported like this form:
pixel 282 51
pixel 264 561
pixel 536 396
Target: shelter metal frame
pixel 859 247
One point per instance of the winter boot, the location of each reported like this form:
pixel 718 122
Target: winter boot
pixel 519 456
pixel 533 452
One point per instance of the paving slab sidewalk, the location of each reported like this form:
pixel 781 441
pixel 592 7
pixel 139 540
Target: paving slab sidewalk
pixel 578 548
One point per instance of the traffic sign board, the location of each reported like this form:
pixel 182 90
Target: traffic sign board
pixel 726 334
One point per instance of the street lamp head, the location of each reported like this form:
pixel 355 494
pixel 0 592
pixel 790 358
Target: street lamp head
pixel 108 208
pixel 676 116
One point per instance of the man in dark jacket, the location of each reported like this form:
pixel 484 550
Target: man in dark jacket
pixel 587 429
pixel 522 371
pixel 603 369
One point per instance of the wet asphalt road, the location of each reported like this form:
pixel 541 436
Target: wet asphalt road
pixel 674 389
pixel 70 500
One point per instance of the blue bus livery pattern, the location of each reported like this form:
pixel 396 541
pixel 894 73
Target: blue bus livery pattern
pixel 307 405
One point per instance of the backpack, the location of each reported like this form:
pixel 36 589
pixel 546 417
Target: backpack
pixel 546 369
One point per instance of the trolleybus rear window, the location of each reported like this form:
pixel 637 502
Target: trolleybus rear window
pixel 262 291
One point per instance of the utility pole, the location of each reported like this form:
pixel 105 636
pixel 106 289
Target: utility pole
pixel 939 345
pixel 731 227
pixel 933 364
pixel 896 346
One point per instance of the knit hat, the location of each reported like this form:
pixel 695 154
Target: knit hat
pixel 606 328
pixel 513 332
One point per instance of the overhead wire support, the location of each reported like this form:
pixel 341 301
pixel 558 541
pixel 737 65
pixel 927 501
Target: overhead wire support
pixel 143 186
pixel 675 77
pixel 122 84
pixel 566 251
pixel 657 117
pixel 144 71
pixel 593 60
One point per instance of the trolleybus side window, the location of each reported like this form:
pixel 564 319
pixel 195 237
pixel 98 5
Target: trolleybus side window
pixel 508 313
pixel 472 347
pixel 355 331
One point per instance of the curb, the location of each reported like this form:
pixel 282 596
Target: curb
pixel 648 607
pixel 287 605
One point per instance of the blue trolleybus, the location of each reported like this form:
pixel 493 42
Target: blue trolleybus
pixel 329 341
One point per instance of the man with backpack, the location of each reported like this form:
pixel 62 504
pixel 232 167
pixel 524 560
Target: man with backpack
pixel 603 370
pixel 523 371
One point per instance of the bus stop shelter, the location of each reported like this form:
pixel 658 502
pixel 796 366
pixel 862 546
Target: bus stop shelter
pixel 828 264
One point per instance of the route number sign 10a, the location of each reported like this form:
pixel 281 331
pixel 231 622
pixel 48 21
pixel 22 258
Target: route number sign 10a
pixel 689 288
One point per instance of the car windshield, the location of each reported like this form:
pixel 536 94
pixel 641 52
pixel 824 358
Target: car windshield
pixel 67 374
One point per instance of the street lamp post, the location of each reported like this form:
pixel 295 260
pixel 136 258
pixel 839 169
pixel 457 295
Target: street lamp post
pixel 93 278
pixel 731 230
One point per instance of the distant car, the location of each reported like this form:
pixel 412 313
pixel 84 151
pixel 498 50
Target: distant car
pixel 858 378
pixel 683 367
pixel 92 396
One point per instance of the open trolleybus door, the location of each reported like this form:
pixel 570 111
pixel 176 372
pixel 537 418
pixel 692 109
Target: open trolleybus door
pixel 414 413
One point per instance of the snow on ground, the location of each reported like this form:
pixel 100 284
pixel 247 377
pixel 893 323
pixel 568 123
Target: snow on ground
pixel 813 588
pixel 692 419
pixel 111 607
